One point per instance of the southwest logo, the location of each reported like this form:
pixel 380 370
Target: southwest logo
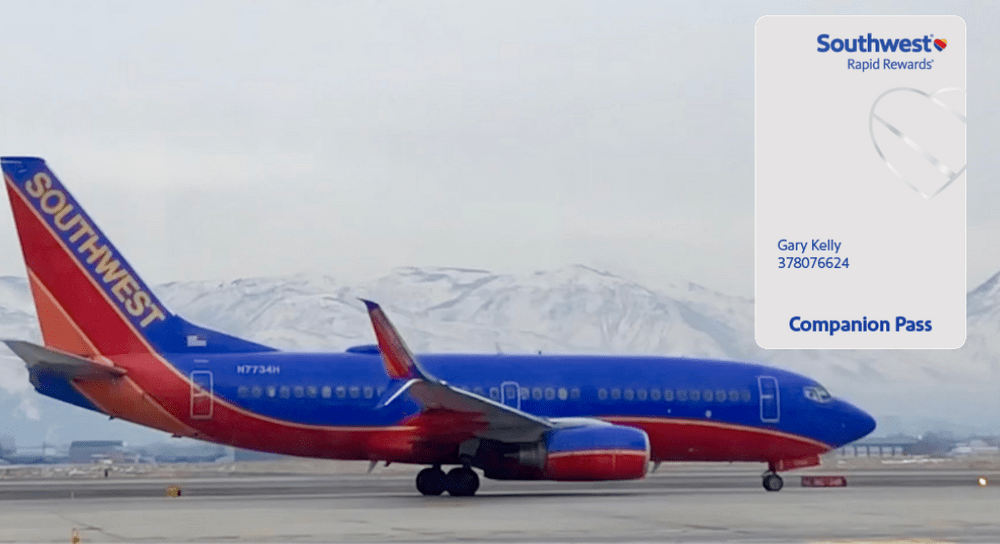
pixel 872 44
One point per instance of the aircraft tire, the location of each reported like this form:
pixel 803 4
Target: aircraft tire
pixel 431 481
pixel 462 482
pixel 773 482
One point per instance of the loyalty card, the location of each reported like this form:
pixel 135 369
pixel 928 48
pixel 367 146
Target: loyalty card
pixel 860 182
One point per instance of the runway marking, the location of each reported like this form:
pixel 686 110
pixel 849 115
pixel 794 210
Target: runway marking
pixel 885 541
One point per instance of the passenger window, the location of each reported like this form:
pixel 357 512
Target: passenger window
pixel 734 395
pixel 284 392
pixel 478 391
pixel 355 392
pixel 243 392
pixel 602 394
pixel 369 392
pixel 379 391
pixel 640 394
pixel 720 395
pixel 525 393
pixel 654 394
pixel 629 394
pixel 707 395
pixel 536 393
pixel 574 393
pixel 256 392
pixel 616 394
pixel 341 392
pixel 563 393
pixel 299 391
pixel 495 393
pixel 694 395
pixel 550 393
pixel 745 395
pixel 668 395
pixel 271 391
pixel 327 391
pixel 682 395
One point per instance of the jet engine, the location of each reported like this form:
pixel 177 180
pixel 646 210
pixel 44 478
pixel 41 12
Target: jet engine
pixel 605 452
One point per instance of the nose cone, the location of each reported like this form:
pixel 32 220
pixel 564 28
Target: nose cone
pixel 855 423
pixel 864 422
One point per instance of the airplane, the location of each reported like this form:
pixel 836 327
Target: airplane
pixel 111 346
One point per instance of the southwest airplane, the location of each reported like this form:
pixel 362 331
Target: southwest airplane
pixel 111 346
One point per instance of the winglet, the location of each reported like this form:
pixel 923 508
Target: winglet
pixel 399 362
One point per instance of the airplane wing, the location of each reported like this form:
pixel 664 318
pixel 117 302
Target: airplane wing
pixel 490 419
pixel 59 363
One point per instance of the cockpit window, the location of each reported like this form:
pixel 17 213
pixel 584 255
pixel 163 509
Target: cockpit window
pixel 817 393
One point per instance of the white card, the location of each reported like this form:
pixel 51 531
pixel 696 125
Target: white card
pixel 860 182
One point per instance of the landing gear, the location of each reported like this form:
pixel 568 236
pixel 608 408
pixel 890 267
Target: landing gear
pixel 459 482
pixel 773 482
pixel 462 482
pixel 431 481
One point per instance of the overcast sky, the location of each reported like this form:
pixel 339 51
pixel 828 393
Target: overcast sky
pixel 234 139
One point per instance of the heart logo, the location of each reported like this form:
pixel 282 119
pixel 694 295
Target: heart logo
pixel 920 136
pixel 940 44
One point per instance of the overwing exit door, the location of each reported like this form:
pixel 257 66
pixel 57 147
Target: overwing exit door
pixel 510 394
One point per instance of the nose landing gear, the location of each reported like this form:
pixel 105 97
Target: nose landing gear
pixel 772 482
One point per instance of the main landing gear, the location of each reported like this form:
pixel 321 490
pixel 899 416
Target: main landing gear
pixel 772 482
pixel 458 482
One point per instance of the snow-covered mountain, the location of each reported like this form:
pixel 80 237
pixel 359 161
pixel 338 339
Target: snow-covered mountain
pixel 575 309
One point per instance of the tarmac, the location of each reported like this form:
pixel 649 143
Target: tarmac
pixel 680 504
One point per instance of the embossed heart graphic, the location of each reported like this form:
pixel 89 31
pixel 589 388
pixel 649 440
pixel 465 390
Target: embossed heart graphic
pixel 920 136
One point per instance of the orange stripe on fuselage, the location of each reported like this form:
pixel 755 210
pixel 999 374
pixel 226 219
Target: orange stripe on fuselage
pixel 122 398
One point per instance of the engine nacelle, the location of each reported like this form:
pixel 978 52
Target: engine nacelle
pixel 606 452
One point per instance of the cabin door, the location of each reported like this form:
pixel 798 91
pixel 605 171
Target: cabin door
pixel 510 394
pixel 770 400
pixel 201 394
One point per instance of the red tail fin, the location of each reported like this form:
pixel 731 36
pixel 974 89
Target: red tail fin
pixel 90 301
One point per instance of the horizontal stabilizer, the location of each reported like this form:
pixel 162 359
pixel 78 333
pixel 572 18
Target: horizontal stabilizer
pixel 58 363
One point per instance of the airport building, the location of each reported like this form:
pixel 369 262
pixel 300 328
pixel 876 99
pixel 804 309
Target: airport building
pixel 92 451
pixel 892 446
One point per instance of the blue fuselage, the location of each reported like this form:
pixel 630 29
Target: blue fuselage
pixel 344 389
